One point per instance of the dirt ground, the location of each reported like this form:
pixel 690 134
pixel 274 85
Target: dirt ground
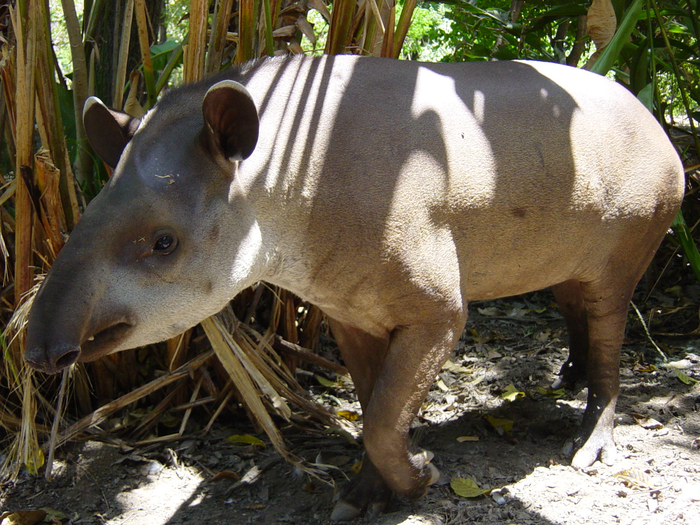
pixel 519 342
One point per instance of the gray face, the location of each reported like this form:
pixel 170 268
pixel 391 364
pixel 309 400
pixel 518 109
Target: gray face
pixel 165 244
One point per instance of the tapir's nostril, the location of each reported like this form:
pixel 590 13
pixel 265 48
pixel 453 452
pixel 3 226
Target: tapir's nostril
pixel 68 358
pixel 51 360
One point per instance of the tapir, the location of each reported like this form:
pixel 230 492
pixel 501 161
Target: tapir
pixel 389 194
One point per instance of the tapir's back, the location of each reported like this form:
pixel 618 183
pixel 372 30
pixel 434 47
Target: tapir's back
pixel 534 170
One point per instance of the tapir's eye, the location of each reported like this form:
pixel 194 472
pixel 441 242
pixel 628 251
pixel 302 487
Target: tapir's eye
pixel 164 244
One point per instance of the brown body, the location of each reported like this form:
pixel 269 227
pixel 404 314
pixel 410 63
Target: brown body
pixel 388 193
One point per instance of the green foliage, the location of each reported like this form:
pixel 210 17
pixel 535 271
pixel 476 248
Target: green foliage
pixel 487 29
pixel 59 33
pixel 427 38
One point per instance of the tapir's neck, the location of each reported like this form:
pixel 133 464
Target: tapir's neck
pixel 278 227
pixel 307 206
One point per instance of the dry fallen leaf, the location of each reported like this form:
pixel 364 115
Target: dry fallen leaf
pixel 551 393
pixel 686 379
pixel 635 478
pixel 543 336
pixel 245 439
pixel 225 474
pixel 517 312
pixel 23 517
pixel 467 488
pixel 602 22
pixel 646 369
pixel 449 366
pixel 325 382
pixel 511 393
pixel 355 469
pixel 501 425
pixel 647 422
pixel 256 506
pixel 350 415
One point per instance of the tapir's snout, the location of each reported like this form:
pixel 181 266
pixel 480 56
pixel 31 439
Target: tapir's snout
pixel 52 347
pixel 51 360
pixel 64 328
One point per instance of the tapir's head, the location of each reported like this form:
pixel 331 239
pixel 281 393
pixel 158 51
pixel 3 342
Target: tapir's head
pixel 167 242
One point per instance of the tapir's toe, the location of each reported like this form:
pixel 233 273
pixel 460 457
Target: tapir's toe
pixel 571 377
pixel 368 494
pixel 360 499
pixel 596 447
pixel 344 511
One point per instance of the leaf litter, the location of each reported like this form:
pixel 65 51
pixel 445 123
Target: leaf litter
pixel 656 479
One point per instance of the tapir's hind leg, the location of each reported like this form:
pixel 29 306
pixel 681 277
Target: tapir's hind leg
pixel 606 307
pixel 606 301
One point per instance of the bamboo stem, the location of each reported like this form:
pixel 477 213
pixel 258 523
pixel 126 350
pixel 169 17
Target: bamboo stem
pixel 217 41
pixel 25 29
pixel 246 31
pixel 120 80
pixel 193 69
pixel 83 164
pixel 142 25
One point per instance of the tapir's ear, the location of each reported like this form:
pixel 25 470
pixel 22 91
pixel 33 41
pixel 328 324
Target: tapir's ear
pixel 230 120
pixel 108 130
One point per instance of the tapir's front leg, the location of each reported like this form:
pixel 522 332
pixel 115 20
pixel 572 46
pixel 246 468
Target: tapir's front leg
pixel 363 354
pixel 401 380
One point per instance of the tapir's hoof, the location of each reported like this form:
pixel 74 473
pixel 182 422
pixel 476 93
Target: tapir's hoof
pixel 344 511
pixel 570 378
pixel 434 474
pixel 593 449
pixel 366 494
pixel 370 496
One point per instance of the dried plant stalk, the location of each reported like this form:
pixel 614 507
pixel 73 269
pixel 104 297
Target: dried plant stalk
pixel 602 23
pixel 246 31
pixel 52 217
pixel 142 26
pixel 217 41
pixel 102 413
pixel 25 28
pixel 24 449
pixel 238 367
pixel 193 68
pixel 124 41
pixel 8 73
pixel 60 406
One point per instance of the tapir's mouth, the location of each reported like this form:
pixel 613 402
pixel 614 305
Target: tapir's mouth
pixel 105 341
